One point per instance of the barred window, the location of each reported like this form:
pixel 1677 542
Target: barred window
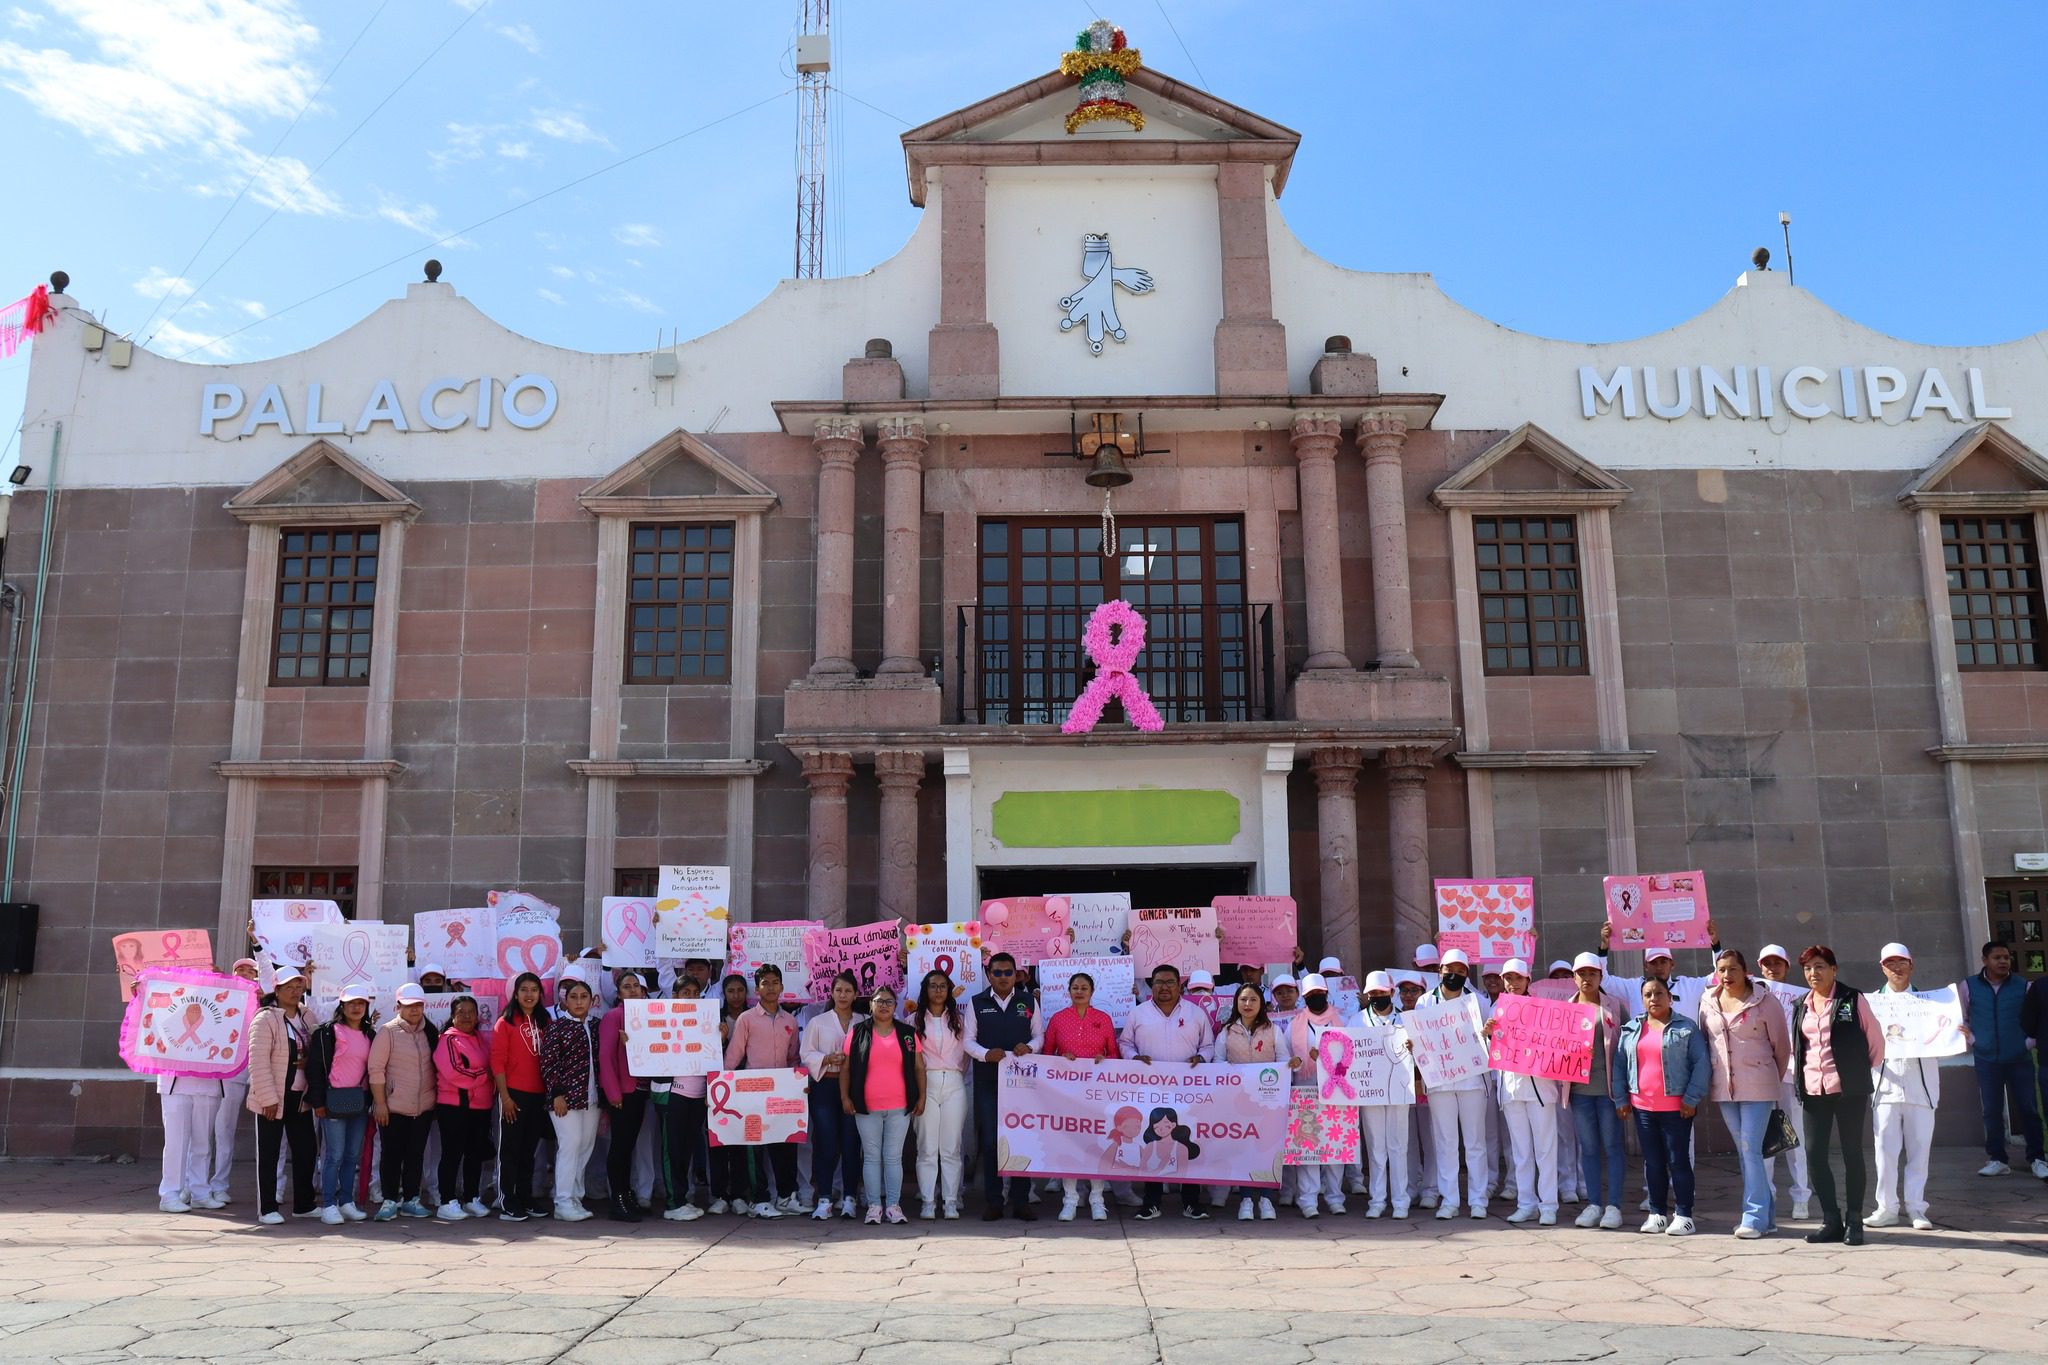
pixel 679 603
pixel 326 588
pixel 635 881
pixel 1532 618
pixel 337 884
pixel 1994 590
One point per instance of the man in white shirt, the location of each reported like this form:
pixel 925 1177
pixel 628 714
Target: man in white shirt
pixel 1457 1113
pixel 1686 991
pixel 1168 1029
pixel 1908 1091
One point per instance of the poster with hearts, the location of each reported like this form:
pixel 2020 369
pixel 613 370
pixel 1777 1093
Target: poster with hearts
pixel 1550 1039
pixel 626 924
pixel 144 948
pixel 1099 920
pixel 283 927
pixel 872 952
pixel 1184 936
pixel 954 949
pixel 183 1022
pixel 1319 1134
pixel 1663 910
pixel 1364 1066
pixel 778 941
pixel 672 1038
pixel 1446 1036
pixel 462 943
pixel 691 914
pixel 529 935
pixel 750 1108
pixel 441 1003
pixel 1028 928
pixel 1256 928
pixel 1492 919
pixel 1115 993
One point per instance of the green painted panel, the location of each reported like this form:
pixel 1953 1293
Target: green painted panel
pixel 1115 819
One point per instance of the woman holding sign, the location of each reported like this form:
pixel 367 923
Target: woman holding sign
pixel 1908 1093
pixel 278 1043
pixel 1750 1046
pixel 882 1086
pixel 1529 1106
pixel 1386 1125
pixel 1251 1037
pixel 1080 1033
pixel 942 1035
pixel 1313 1184
pixel 1660 1075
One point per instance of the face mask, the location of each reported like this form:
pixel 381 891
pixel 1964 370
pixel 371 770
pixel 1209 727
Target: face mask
pixel 1381 1004
pixel 1453 981
pixel 1318 1001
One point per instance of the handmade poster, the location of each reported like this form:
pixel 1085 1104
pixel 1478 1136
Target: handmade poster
pixel 361 951
pixel 1184 937
pixel 1919 1023
pixel 1663 910
pixel 872 952
pixel 1028 928
pixel 463 943
pixel 673 1038
pixel 1492 920
pixel 441 1003
pixel 1256 928
pixel 1364 1066
pixel 1216 1004
pixel 1209 1125
pixel 144 948
pixel 282 926
pixel 626 925
pixel 750 1108
pixel 1550 1039
pixel 1099 920
pixel 691 912
pixel 778 941
pixel 529 935
pixel 1113 986
pixel 1448 1046
pixel 954 949
pixel 183 1022
pixel 1344 995
pixel 1319 1134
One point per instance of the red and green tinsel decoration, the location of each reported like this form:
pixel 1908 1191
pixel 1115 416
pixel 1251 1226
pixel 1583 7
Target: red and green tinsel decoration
pixel 1101 59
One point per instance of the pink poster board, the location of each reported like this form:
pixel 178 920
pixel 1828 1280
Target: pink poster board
pixel 872 952
pixel 1184 936
pixel 1492 919
pixel 182 1022
pixel 750 1108
pixel 1550 1039
pixel 1028 928
pixel 1661 910
pixel 141 949
pixel 1319 1134
pixel 1256 928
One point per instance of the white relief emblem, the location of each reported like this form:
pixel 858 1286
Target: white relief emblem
pixel 1094 303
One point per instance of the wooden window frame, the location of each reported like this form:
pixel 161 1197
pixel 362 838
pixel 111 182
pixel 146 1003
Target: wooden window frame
pixel 314 883
pixel 1526 597
pixel 287 622
pixel 632 625
pixel 2029 627
pixel 2008 926
pixel 638 882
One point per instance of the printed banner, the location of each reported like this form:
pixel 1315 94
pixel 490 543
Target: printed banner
pixel 1113 986
pixel 529 936
pixel 1208 1125
pixel 1550 1039
pixel 1184 937
pixel 1319 1134
pixel 1256 928
pixel 134 952
pixel 188 1023
pixel 954 949
pixel 1662 910
pixel 672 1038
pixel 1448 1046
pixel 691 914
pixel 872 952
pixel 441 1003
pixel 751 1108
pixel 1919 1023
pixel 283 926
pixel 463 943
pixel 1099 920
pixel 1364 1066
pixel 778 941
pixel 1492 920
pixel 1028 928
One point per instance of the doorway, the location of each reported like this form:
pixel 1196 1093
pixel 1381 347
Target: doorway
pixel 1150 888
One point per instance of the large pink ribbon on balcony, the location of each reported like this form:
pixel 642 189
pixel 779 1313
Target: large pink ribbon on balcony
pixel 1114 639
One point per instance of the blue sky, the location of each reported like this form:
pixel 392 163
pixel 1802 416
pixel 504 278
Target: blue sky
pixel 1581 170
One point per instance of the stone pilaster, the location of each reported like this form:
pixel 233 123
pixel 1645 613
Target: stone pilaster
pixel 1381 436
pixel 900 771
pixel 901 440
pixel 1408 840
pixel 1336 771
pixel 1315 436
pixel 828 774
pixel 838 444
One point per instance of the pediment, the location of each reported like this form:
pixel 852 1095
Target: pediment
pixel 323 480
pixel 1528 466
pixel 1986 465
pixel 679 467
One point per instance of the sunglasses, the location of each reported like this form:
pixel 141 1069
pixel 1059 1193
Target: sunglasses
pixel 1002 971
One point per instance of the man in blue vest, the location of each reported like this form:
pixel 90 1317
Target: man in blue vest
pixel 1001 1027
pixel 1993 1001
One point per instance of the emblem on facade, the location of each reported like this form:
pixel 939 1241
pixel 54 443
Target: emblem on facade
pixel 1094 304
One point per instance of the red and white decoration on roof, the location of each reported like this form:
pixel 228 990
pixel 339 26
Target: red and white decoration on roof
pixel 1101 60
pixel 24 318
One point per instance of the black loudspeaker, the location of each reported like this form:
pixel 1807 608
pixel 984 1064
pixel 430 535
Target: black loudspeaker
pixel 17 937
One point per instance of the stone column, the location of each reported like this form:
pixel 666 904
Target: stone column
pixel 1408 836
pixel 1381 436
pixel 902 442
pixel 1251 346
pixel 828 774
pixel 899 771
pixel 963 357
pixel 1315 451
pixel 838 444
pixel 1336 771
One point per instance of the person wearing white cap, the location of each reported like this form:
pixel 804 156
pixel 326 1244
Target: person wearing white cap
pixel 1408 988
pixel 1568 1190
pixel 1908 1093
pixel 402 1091
pixel 1427 959
pixel 1385 1126
pixel 338 1089
pixel 279 1037
pixel 1776 965
pixel 1457 1112
pixel 1286 993
pixel 1323 1184
pixel 1529 1106
pixel 1657 962
pixel 1329 967
pixel 1601 1157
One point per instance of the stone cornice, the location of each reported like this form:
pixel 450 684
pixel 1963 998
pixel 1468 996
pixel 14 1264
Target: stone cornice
pixel 1554 758
pixel 670 767
pixel 308 769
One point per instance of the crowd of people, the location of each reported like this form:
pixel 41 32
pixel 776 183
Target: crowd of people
pixel 916 1080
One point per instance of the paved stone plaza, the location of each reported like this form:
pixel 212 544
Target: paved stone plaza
pixel 91 1272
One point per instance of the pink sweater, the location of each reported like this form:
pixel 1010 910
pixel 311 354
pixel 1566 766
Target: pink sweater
pixel 462 1070
pixel 614 1081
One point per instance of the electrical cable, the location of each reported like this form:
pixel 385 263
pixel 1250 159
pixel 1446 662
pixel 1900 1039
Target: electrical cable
pixel 1175 28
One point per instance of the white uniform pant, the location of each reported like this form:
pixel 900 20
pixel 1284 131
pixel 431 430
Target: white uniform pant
pixel 226 1122
pixel 1455 1117
pixel 188 1135
pixel 1386 1150
pixel 575 1138
pixel 1532 1143
pixel 1499 1168
pixel 1905 1132
pixel 1421 1149
pixel 940 1129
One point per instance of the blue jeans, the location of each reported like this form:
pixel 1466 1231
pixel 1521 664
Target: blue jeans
pixel 341 1151
pixel 1746 1121
pixel 835 1143
pixel 1997 1080
pixel 881 1143
pixel 1600 1151
pixel 1666 1140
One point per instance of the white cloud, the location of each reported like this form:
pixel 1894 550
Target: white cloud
pixel 562 272
pixel 636 234
pixel 250 307
pixel 565 126
pixel 551 296
pixel 169 339
pixel 516 151
pixel 159 283
pixel 17 17
pixel 521 34
pixel 626 298
pixel 424 219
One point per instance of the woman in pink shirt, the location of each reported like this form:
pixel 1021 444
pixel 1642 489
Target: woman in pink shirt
pixel 338 1089
pixel 1080 1033
pixel 625 1101
pixel 882 1086
pixel 464 1097
pixel 942 1033
pixel 1835 1048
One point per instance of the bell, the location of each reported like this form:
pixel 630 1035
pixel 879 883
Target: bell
pixel 1109 470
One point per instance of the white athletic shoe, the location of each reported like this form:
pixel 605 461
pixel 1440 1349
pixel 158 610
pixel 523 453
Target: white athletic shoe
pixel 789 1203
pixel 1244 1211
pixel 1547 1218
pixel 1335 1206
pixel 451 1212
pixel 1922 1223
pixel 826 1209
pixel 353 1214
pixel 477 1208
pixel 688 1213
pixel 1308 1210
pixel 1449 1209
pixel 1097 1210
pixel 331 1215
pixel 1656 1222
pixel 1376 1209
pixel 1802 1208
pixel 848 1208
pixel 1523 1214
pixel 929 1211
pixel 171 1203
pixel 1610 1218
pixel 951 1210
pixel 1069 1206
pixel 209 1201
pixel 719 1206
pixel 1266 1210
pixel 1429 1199
pixel 1994 1168
pixel 2039 1168
pixel 1589 1217
pixel 764 1209
pixel 271 1219
pixel 1748 1233
pixel 1883 1218
pixel 1681 1226
pixel 1644 1207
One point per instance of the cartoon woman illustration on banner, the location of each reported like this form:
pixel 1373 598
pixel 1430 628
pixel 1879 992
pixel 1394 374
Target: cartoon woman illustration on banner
pixel 1170 1143
pixel 1123 1148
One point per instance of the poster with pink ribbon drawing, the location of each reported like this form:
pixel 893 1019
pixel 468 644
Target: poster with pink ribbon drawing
pixel 750 1108
pixel 462 943
pixel 954 949
pixel 188 1023
pixel 283 927
pixel 1028 928
pixel 781 942
pixel 1256 928
pixel 141 949
pixel 1492 920
pixel 1550 1039
pixel 1364 1066
pixel 1319 1134
pixel 529 935
pixel 1661 910
pixel 627 926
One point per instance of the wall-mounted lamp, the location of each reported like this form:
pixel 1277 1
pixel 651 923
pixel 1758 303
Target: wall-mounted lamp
pixel 19 475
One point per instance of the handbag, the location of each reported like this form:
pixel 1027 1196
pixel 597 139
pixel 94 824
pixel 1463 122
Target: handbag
pixel 1779 1135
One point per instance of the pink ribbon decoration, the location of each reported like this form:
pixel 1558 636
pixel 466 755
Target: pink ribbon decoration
pixel 1338 1047
pixel 721 1091
pixel 355 957
pixel 1114 639
pixel 191 1033
pixel 457 932
pixel 171 943
pixel 627 925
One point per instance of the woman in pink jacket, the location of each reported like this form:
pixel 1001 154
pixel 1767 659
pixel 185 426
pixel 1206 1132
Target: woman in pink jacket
pixel 625 1100
pixel 1750 1045
pixel 465 1094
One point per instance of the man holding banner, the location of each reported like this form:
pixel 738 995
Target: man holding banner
pixel 1908 1092
pixel 1167 1028
pixel 1457 1108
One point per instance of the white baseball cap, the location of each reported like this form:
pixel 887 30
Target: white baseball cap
pixel 1456 958
pixel 1514 966
pixel 411 994
pixel 432 969
pixel 1560 963
pixel 1285 982
pixel 1331 965
pixel 1776 950
pixel 285 974
pixel 1198 977
pixel 1378 981
pixel 1407 978
pixel 1314 982
pixel 1593 960
pixel 1426 955
pixel 1652 954
pixel 355 990
pixel 1895 950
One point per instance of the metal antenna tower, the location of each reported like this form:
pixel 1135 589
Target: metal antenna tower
pixel 814 71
